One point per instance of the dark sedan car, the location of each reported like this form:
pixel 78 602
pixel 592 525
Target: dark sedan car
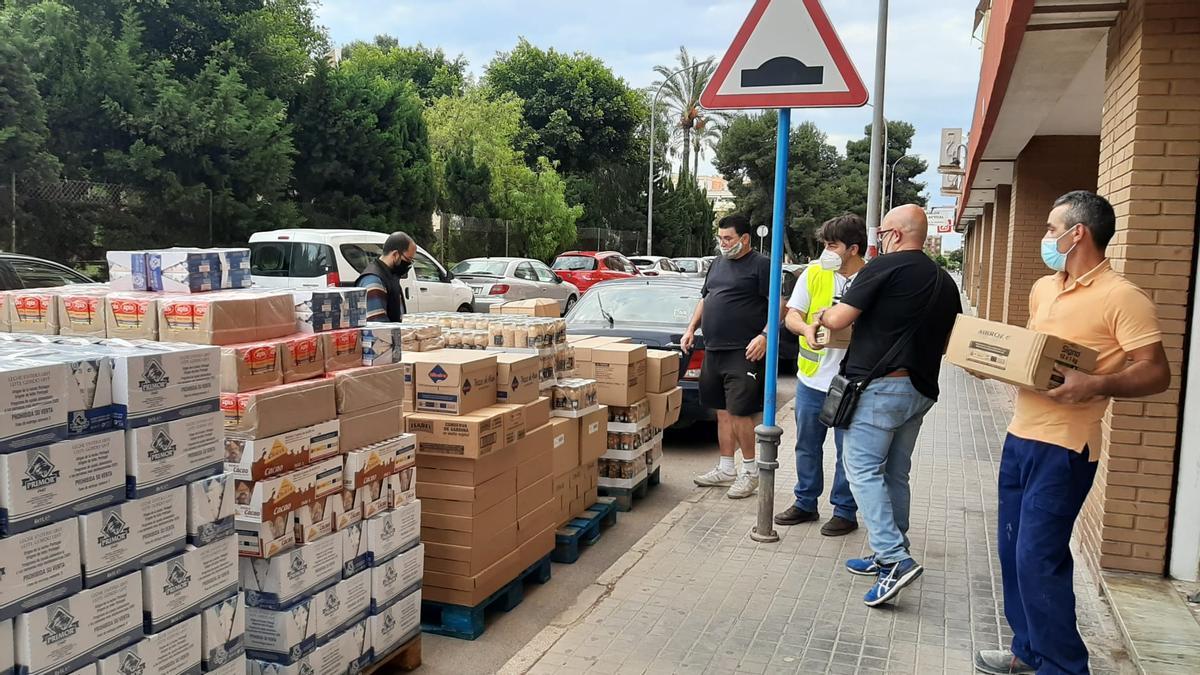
pixel 656 312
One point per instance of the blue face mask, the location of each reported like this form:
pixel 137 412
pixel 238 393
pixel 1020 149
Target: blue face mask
pixel 1054 259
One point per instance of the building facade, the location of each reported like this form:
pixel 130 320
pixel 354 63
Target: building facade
pixel 1103 96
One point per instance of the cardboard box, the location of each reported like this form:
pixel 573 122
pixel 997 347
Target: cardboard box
pixel 513 418
pixel 565 444
pixel 302 357
pixel 533 497
pixel 33 311
pixel 395 625
pixel 466 500
pixel 246 367
pixel 355 549
pixel 89 383
pixel 174 453
pixel 271 498
pixel 281 636
pixel 537 442
pixel 382 343
pixel 393 579
pixel 182 585
pixel 258 539
pixel 342 605
pixel 40 566
pixel 5 326
pixel 125 537
pixel 593 435
pixel 536 521
pixel 620 373
pixel 342 349
pixel 467 561
pixel 376 462
pixel 439 528
pixel 127 270
pixel 59 481
pixel 131 316
pixel 315 521
pixel 1018 356
pixel 563 495
pixel 183 270
pixel 236 665
pixel 392 532
pixel 452 470
pixel 81 310
pixel 175 651
pixel 544 307
pixel 211 506
pixel 373 425
pixel 471 435
pixel 356 650
pixel 223 632
pixel 8 656
pixel 23 381
pixel 326 309
pixel 400 488
pixel 209 319
pixel 662 370
pixel 665 407
pixel 538 467
pixel 277 410
pixel 249 458
pixel 471 589
pixel 838 339
pixel 454 381
pixel 155 382
pixel 410 387
pixel 68 634
pixel 358 389
pixel 518 378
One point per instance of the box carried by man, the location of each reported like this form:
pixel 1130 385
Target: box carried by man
pixel 1015 355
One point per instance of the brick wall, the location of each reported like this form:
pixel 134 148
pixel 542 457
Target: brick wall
pixel 987 272
pixel 999 254
pixel 981 269
pixel 1047 167
pixel 1149 171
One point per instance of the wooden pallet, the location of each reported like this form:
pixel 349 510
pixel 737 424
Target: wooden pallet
pixel 584 530
pixel 655 478
pixel 624 497
pixel 468 623
pixel 405 658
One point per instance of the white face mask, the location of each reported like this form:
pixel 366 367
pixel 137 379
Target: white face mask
pixel 830 260
pixel 731 252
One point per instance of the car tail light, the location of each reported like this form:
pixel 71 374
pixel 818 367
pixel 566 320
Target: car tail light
pixel 333 279
pixel 498 289
pixel 694 363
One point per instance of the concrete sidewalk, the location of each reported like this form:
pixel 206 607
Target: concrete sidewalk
pixel 696 595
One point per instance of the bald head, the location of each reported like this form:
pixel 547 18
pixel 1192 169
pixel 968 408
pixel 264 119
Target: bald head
pixel 910 226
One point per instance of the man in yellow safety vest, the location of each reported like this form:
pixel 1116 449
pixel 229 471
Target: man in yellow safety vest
pixel 820 286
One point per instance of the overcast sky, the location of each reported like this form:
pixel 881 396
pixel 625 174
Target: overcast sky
pixel 933 62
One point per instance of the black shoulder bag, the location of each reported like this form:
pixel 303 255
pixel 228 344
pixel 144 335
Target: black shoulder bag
pixel 842 399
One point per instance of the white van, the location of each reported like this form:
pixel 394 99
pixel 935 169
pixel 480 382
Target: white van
pixel 316 258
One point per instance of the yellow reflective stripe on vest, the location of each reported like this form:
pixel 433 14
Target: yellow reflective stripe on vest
pixel 821 284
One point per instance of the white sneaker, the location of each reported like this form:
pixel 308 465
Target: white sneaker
pixel 715 478
pixel 744 486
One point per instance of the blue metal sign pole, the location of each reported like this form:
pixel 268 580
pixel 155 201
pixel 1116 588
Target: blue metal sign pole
pixel 768 433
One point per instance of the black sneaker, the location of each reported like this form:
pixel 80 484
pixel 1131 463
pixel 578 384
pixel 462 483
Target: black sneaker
pixel 838 526
pixel 795 516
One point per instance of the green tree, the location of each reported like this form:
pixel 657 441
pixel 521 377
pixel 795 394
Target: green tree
pixel 364 153
pixel 432 73
pixel 23 130
pixel 858 162
pixel 955 259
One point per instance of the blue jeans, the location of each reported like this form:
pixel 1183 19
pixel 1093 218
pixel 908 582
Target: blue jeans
pixel 810 470
pixel 878 457
pixel 1042 488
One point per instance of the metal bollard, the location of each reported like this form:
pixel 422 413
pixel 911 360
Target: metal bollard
pixel 767 454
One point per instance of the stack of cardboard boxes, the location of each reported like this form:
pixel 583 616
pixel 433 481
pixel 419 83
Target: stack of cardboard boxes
pixel 484 480
pixel 327 517
pixel 117 524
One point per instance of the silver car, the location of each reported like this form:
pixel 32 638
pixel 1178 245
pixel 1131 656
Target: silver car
pixel 497 280
pixel 692 267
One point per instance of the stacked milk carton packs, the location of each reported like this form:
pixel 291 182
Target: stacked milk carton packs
pixel 117 523
pixel 326 512
pixel 179 270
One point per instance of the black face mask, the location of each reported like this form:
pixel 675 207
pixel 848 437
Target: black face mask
pixel 402 267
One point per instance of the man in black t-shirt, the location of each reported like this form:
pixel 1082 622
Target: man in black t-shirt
pixel 890 296
pixel 732 316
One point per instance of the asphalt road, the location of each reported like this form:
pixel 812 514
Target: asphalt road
pixel 686 453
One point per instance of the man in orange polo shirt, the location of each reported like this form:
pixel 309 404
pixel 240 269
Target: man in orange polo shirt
pixel 1053 442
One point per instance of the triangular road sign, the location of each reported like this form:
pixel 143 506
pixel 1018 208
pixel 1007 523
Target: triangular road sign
pixel 786 55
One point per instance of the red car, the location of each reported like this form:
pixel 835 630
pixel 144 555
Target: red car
pixel 586 268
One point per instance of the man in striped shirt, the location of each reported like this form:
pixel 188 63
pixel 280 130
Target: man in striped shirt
pixel 385 297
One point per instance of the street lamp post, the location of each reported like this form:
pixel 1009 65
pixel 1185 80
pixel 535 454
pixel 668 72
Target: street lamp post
pixel 892 188
pixel 650 179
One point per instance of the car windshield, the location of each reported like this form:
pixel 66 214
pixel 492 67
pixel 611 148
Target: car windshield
pixel 688 265
pixel 487 268
pixel 637 303
pixel 359 255
pixel 575 263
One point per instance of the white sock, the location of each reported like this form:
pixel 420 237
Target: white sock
pixel 726 464
pixel 750 467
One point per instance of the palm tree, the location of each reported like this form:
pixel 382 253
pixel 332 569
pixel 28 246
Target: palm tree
pixel 682 97
pixel 706 133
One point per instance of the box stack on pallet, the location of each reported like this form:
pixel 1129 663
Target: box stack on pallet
pixel 119 551
pixel 484 482
pixel 327 516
